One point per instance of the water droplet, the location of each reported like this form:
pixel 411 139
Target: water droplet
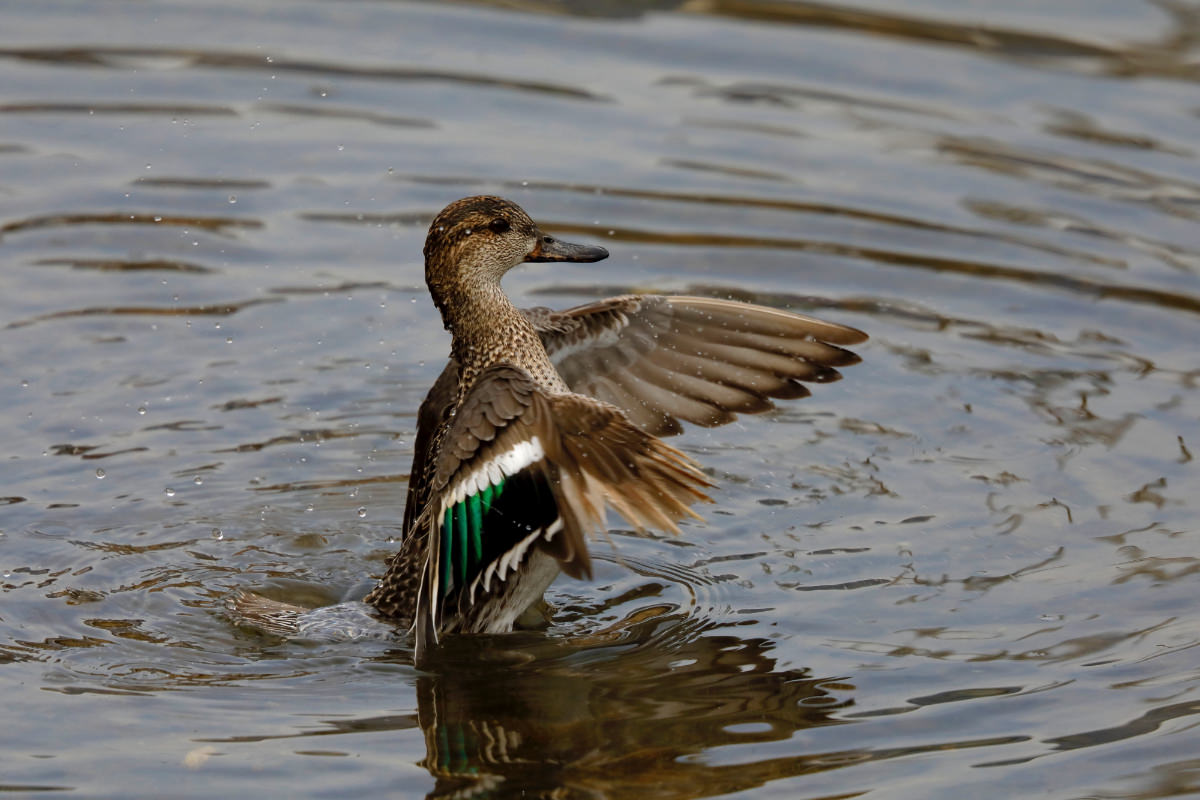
pixel 524 183
pixel 232 199
pixel 142 410
pixel 217 534
pixel 147 166
pixel 198 480
pixel 310 508
pixel 157 218
pixel 341 147
pixel 169 492
pixel 362 511
pixel 100 474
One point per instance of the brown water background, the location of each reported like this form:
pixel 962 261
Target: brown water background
pixel 969 569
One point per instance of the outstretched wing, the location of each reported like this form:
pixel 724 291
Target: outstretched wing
pixel 520 471
pixel 663 358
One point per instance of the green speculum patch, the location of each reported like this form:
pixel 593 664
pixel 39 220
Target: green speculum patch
pixel 462 537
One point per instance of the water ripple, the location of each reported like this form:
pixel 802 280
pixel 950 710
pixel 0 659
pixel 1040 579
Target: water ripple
pixel 155 58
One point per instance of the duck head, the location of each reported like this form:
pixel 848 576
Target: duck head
pixel 472 242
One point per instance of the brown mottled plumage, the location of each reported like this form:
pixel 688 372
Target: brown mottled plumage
pixel 541 419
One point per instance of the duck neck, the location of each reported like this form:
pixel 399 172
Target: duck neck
pixel 486 329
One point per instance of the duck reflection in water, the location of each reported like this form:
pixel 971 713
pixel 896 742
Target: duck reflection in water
pixel 631 714
pixel 616 727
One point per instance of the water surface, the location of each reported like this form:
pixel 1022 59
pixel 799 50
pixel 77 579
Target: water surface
pixel 971 566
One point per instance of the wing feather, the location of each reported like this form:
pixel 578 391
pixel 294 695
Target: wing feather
pixel 666 358
pixel 568 456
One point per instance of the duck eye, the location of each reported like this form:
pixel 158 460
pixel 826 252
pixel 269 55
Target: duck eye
pixel 500 225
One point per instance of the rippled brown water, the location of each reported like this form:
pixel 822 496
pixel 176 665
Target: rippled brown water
pixel 970 567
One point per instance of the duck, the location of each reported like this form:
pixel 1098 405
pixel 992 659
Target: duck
pixel 543 420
